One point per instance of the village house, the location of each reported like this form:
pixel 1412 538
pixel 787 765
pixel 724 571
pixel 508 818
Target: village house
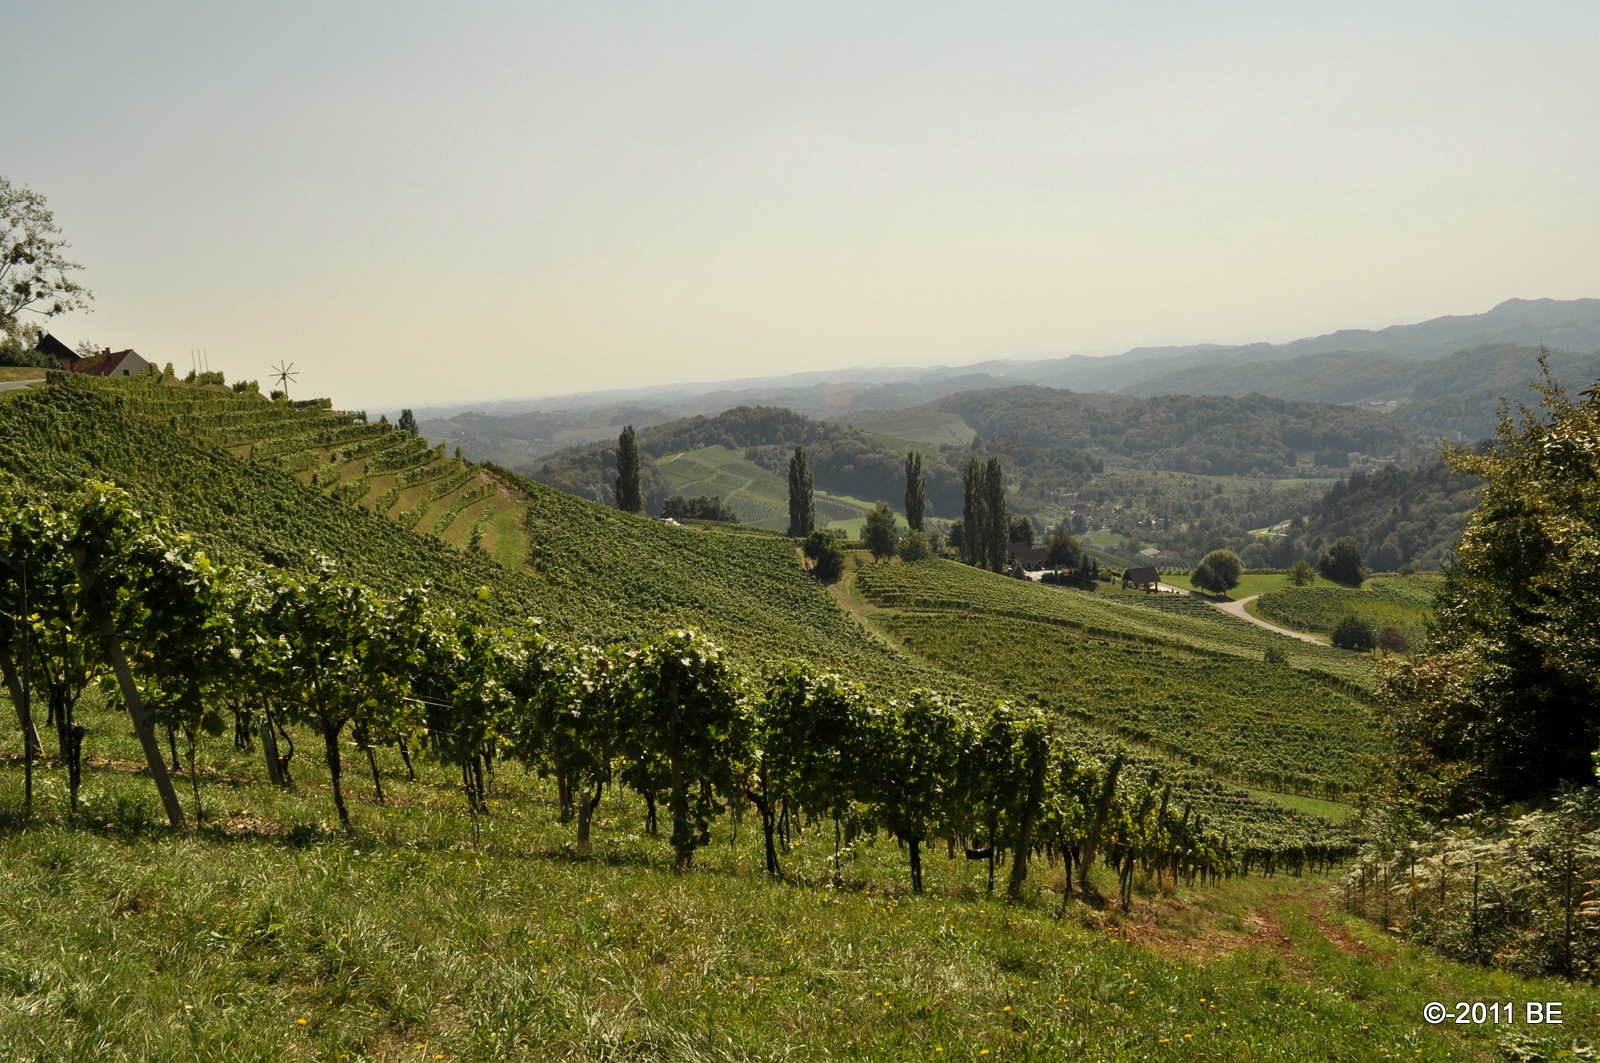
pixel 1031 558
pixel 1143 579
pixel 113 364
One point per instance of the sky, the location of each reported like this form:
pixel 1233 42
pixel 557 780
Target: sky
pixel 426 203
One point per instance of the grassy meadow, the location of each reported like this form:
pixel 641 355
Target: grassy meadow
pixel 266 934
pixel 1404 603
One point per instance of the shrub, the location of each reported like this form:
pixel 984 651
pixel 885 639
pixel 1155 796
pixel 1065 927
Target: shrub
pixel 1354 633
pixel 827 560
pixel 1301 574
pixel 703 507
pixel 915 546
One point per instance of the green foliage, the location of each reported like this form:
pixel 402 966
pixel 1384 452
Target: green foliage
pixel 985 523
pixel 1341 562
pixel 913 767
pixel 1502 705
pixel 687 716
pixel 827 560
pixel 1168 620
pixel 802 509
pixel 1507 893
pixel 916 491
pixel 1264 726
pixel 1397 514
pixel 1062 549
pixel 35 273
pixel 1180 433
pixel 1301 573
pixel 880 533
pixel 630 498
pixel 1353 632
pixel 1404 603
pixel 704 507
pixel 915 546
pixel 1218 572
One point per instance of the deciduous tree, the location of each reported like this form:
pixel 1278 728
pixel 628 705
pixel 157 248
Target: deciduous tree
pixel 880 532
pixel 34 269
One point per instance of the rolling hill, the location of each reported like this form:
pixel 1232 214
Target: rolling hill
pixel 1572 325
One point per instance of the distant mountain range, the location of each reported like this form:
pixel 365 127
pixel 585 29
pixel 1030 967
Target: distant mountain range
pixel 1567 325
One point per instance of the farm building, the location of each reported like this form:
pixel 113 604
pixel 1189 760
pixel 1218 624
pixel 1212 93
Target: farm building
pixel 1030 558
pixel 113 363
pixel 1141 578
pixel 65 356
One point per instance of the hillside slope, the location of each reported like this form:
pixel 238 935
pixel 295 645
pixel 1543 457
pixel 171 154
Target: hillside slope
pixel 594 574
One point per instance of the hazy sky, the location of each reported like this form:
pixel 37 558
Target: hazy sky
pixel 425 203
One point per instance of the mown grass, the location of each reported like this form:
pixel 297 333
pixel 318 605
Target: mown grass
pixel 1248 585
pixel 267 935
pixel 1337 811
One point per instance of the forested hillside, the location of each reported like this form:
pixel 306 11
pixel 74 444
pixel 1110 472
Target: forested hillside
pixel 1215 435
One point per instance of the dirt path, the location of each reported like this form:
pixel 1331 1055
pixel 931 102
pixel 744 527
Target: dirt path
pixel 1238 609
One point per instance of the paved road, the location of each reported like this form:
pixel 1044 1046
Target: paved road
pixel 12 385
pixel 1238 609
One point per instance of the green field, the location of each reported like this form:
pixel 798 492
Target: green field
pixel 1170 620
pixel 1404 603
pixel 1248 584
pixel 759 496
pixel 1262 725
pixel 266 935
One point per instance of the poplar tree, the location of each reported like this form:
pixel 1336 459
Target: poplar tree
pixel 975 513
pixel 999 530
pixel 916 491
pixel 802 508
pixel 629 499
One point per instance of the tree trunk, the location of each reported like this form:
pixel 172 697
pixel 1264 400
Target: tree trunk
pixel 141 725
pixel 1092 842
pixel 769 827
pixel 916 864
pixel 24 718
pixel 1030 815
pixel 405 755
pixel 650 813
pixel 372 762
pixel 330 746
pixel 682 840
pixel 269 750
pixel 586 807
pixel 563 797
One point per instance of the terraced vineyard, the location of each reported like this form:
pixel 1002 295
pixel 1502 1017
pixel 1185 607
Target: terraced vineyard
pixel 1168 620
pixel 341 454
pixel 1264 725
pixel 1404 603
